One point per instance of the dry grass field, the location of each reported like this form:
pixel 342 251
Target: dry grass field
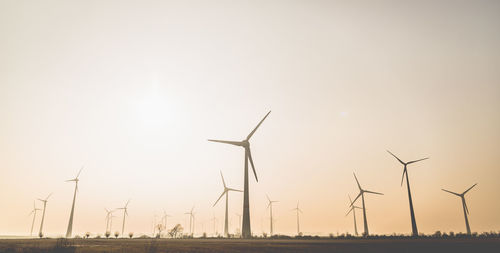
pixel 258 245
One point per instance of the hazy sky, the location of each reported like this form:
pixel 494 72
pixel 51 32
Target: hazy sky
pixel 133 90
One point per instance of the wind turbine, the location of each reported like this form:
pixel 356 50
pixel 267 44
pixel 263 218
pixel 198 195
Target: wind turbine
pixel 70 223
pixel 164 218
pixel 215 221
pixel 34 216
pixel 125 213
pixel 225 192
pixel 362 194
pixel 239 222
pixel 246 233
pixel 40 233
pixel 270 206
pixel 297 209
pixel 191 217
pixel 109 213
pixel 464 205
pixel 405 172
pixel 353 210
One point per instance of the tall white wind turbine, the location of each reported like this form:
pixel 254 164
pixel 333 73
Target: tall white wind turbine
pixel 246 230
pixel 414 230
pixel 270 207
pixel 464 205
pixel 352 208
pixel 297 210
pixel 191 219
pixel 225 192
pixel 34 217
pixel 125 213
pixel 40 233
pixel 362 195
pixel 70 223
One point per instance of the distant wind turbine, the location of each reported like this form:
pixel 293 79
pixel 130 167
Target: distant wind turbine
pixel 108 218
pixel 40 233
pixel 362 194
pixel 353 210
pixel 34 217
pixel 270 207
pixel 297 210
pixel 405 173
pixel 464 205
pixel 70 223
pixel 246 232
pixel 239 222
pixel 164 218
pixel 125 213
pixel 225 192
pixel 191 217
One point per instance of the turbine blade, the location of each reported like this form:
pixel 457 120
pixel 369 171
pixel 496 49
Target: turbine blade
pixel 350 210
pixel 350 200
pixel 77 175
pixel 128 201
pixel 396 157
pixel 47 198
pixel 417 160
pixel 357 197
pixel 374 192
pixel 268 199
pixel 466 208
pixel 224 192
pixel 451 192
pixel 236 143
pixel 223 182
pixel 255 129
pixel 234 190
pixel 469 188
pixel 403 176
pixel 251 163
pixel 359 186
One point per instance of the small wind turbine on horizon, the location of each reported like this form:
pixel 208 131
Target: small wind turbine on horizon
pixel 70 223
pixel 246 230
pixel 191 218
pixel 414 230
pixel 40 233
pixel 164 218
pixel 297 210
pixel 33 211
pixel 239 222
pixel 270 207
pixel 464 205
pixel 109 213
pixel 353 210
pixel 125 213
pixel 362 194
pixel 225 192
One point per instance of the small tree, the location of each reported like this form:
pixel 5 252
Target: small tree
pixel 117 234
pixel 130 235
pixel 107 234
pixel 40 234
pixel 87 235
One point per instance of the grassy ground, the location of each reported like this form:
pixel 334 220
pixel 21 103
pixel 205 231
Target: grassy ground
pixel 258 245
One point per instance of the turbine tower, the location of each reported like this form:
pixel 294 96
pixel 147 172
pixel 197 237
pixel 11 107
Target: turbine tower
pixel 362 194
pixel 225 192
pixel 270 207
pixel 34 217
pixel 191 218
pixel 297 210
pixel 246 231
pixel 109 213
pixel 353 210
pixel 414 230
pixel 464 205
pixel 70 223
pixel 125 213
pixel 40 233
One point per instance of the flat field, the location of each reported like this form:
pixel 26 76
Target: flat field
pixel 425 245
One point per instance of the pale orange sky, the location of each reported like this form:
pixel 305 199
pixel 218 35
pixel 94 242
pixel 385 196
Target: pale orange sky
pixel 133 90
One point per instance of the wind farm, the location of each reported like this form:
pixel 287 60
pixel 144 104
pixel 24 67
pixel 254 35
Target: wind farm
pixel 242 126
